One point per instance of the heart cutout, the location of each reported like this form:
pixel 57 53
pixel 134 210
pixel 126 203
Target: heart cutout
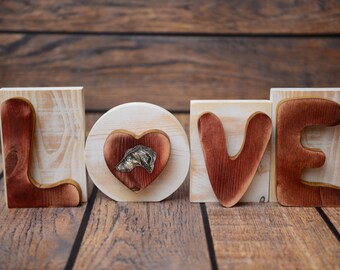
pixel 120 144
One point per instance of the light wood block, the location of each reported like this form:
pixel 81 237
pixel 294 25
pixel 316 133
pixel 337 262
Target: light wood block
pixel 326 139
pixel 138 118
pixel 234 115
pixel 59 135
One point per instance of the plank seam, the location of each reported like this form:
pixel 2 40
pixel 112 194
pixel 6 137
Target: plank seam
pixel 81 231
pixel 174 34
pixel 208 237
pixel 328 222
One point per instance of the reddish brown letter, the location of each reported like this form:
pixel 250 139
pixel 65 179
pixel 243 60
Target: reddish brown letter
pixel 293 116
pixel 231 176
pixel 18 121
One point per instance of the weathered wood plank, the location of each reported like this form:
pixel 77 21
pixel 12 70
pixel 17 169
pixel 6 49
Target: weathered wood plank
pixel 334 216
pixel 268 236
pixel 166 235
pixel 216 16
pixel 168 71
pixel 37 238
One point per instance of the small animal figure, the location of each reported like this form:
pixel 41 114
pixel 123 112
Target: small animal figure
pixel 139 155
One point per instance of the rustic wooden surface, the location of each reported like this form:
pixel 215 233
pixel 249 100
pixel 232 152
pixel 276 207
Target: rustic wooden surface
pixel 167 70
pixel 272 237
pixel 37 238
pixel 167 235
pixel 168 53
pixel 216 16
pixel 334 216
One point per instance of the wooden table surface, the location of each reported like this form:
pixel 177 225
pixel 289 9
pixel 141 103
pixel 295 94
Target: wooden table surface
pixel 167 53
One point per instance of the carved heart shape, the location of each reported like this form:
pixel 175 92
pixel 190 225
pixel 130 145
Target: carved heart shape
pixel 120 143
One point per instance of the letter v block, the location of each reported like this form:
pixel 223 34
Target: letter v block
pixel 229 151
pixel 43 146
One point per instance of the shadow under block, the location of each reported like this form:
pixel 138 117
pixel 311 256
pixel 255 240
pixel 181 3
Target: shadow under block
pixel 293 116
pixel 234 115
pixel 120 141
pixel 138 118
pixel 230 177
pixel 325 138
pixel 18 121
pixel 59 136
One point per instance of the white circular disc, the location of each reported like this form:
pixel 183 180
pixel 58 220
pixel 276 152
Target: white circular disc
pixel 138 117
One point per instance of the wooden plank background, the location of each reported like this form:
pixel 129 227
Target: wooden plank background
pixel 177 16
pixel 168 52
pixel 168 70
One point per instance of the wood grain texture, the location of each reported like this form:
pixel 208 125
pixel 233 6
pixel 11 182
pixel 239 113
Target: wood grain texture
pixel 230 177
pixel 234 115
pixel 138 117
pixel 39 238
pixel 334 216
pixel 120 141
pixel 167 70
pixel 291 157
pixel 17 124
pixel 268 236
pixel 189 16
pixel 167 235
pixel 318 137
pixel 59 135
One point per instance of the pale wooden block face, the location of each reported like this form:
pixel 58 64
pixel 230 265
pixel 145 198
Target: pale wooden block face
pixel 59 139
pixel 138 117
pixel 327 139
pixel 234 115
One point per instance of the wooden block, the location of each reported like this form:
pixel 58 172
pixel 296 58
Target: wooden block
pixel 293 115
pixel 18 123
pixel 59 134
pixel 171 70
pixel 123 147
pixel 230 177
pixel 324 138
pixel 137 118
pixel 234 115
